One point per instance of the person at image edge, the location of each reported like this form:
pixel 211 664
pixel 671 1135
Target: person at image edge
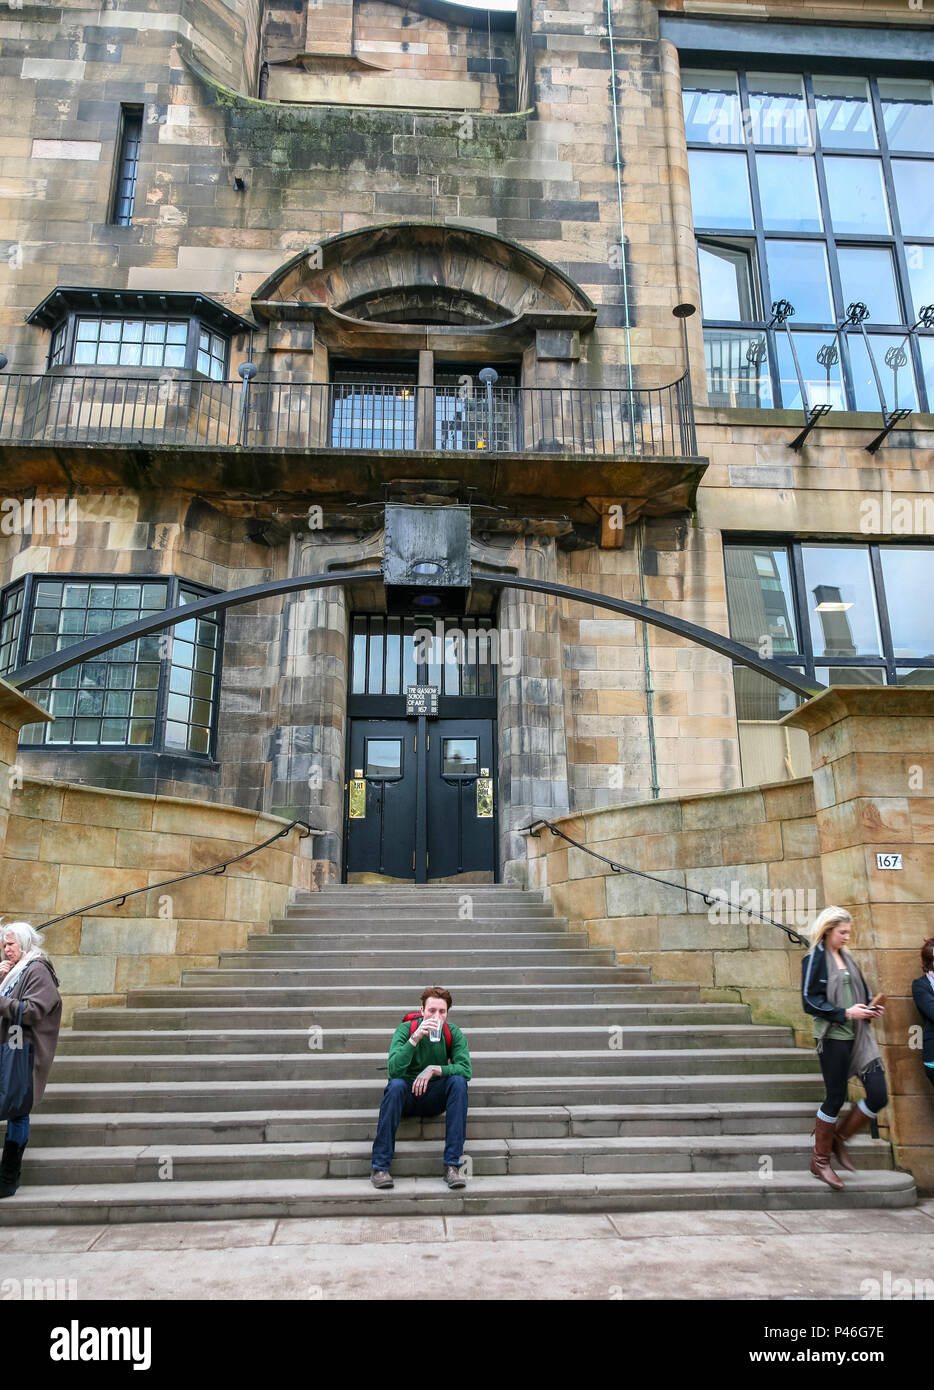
pixel 425 1078
pixel 27 977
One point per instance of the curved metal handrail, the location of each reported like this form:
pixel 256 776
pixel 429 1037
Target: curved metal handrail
pixel 121 898
pixel 617 868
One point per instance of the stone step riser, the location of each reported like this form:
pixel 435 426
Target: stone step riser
pixel 102 1168
pixel 342 1094
pixel 491 943
pixel 58 1130
pixel 467 1018
pixel 490 1196
pixel 423 911
pixel 403 892
pixel 352 1043
pixel 405 997
pixel 363 958
pixel 415 976
pixel 322 1066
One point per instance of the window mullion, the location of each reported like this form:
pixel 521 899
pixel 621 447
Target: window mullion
pixel 801 602
pixel 882 612
pixel 765 290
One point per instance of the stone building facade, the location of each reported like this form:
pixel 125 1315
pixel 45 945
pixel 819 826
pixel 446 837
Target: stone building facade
pixel 373 202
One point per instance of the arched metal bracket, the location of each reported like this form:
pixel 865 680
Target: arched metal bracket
pixel 46 667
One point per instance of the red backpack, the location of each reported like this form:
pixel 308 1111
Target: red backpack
pixel 414 1019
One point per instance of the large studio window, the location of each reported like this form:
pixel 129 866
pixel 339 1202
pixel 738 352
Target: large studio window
pixel 816 189
pixel 157 692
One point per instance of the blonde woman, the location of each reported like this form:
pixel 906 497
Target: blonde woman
pixel 27 978
pixel 835 993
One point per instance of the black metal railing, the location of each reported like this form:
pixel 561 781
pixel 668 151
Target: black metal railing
pixel 357 417
pixel 712 900
pixel 218 869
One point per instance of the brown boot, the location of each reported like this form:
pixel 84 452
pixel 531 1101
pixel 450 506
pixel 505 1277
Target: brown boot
pixel 855 1120
pixel 820 1159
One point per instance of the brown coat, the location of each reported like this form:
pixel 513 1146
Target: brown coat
pixel 37 987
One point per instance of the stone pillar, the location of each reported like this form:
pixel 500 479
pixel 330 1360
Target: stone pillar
pixel 872 752
pixel 533 759
pixel 15 711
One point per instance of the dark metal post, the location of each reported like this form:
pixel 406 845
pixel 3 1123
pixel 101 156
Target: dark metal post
pixel 685 392
pixel 421 800
pixel 246 371
pixel 488 375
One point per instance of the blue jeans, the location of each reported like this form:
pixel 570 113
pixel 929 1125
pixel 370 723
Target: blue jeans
pixel 443 1093
pixel 17 1131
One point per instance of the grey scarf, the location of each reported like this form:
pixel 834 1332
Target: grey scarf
pixel 865 1055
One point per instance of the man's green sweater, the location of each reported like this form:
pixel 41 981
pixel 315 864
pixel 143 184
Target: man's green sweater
pixel 406 1061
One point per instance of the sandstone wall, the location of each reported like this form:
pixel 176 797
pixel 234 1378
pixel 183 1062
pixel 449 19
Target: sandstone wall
pixel 68 846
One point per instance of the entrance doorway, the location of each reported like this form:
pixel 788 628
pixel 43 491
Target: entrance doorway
pixel 419 802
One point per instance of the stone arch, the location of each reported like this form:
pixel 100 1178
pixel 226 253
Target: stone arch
pixel 418 274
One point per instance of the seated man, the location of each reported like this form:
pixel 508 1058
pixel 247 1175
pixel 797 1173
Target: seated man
pixel 425 1078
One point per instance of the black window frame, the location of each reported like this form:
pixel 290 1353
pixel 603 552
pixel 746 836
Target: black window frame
pixel 755 237
pixel 127 152
pixel 804 658
pixel 64 350
pixel 174 585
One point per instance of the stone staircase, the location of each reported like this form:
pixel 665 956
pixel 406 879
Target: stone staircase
pixel 252 1089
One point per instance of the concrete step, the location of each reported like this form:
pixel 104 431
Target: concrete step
pixel 313 1063
pixel 272 1198
pixel 360 1042
pixel 360 958
pixel 337 1159
pixel 268 1126
pixel 402 892
pixel 404 997
pixel 542 915
pixel 385 1018
pixel 349 1093
pixel 429 970
pixel 446 940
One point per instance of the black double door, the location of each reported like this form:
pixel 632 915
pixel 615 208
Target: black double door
pixel 419 800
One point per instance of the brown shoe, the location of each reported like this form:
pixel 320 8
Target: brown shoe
pixel 381 1179
pixel 855 1121
pixel 454 1177
pixel 820 1159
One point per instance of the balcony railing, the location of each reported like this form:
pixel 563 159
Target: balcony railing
pixel 357 418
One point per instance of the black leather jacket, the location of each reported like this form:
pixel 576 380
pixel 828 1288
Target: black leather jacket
pixel 814 988
pixel 923 995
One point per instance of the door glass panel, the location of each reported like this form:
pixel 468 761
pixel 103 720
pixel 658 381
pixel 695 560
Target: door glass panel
pixel 726 280
pixel 759 597
pixel 711 107
pixel 459 756
pixel 778 110
pixel 383 757
pixel 908 113
pixel 909 583
pixel 841 601
pixel 393 655
pixel 720 189
pixel 868 276
pixel 914 193
pixel 857 195
pixel 844 113
pixel 788 193
pixel 798 272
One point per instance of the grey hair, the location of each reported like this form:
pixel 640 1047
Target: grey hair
pixel 25 936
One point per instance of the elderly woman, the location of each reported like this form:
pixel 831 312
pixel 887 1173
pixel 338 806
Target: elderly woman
pixel 835 993
pixel 922 992
pixel 27 977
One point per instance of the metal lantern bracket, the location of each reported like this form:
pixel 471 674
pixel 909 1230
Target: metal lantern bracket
pixel 782 311
pixel 856 316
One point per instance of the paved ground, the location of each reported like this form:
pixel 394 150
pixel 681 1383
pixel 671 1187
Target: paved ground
pixel 738 1255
